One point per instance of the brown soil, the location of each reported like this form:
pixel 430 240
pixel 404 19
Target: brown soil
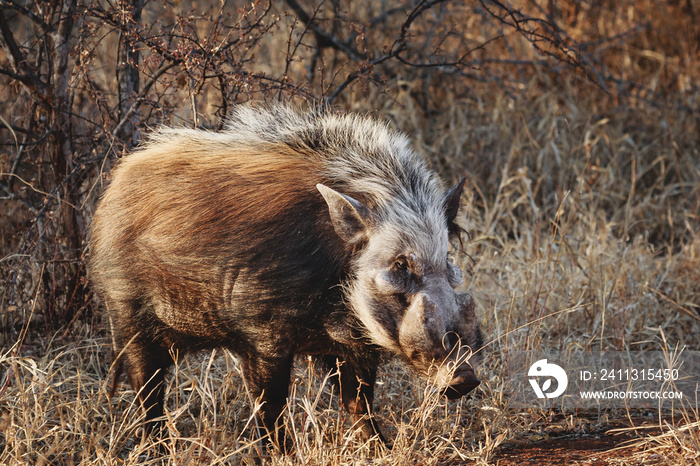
pixel 601 447
pixel 589 449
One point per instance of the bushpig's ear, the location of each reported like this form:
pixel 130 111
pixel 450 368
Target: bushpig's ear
pixel 451 199
pixel 348 215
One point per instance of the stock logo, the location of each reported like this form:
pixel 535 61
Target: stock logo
pixel 542 368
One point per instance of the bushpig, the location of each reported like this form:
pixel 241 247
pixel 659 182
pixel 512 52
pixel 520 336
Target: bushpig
pixel 288 233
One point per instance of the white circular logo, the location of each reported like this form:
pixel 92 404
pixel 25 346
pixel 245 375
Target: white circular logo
pixel 542 368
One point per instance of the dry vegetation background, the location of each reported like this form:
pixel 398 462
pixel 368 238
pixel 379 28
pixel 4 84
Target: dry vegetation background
pixel 577 123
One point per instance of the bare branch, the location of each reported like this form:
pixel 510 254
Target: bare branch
pixel 324 39
pixel 21 70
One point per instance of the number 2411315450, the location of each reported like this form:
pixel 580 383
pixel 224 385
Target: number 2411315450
pixel 632 374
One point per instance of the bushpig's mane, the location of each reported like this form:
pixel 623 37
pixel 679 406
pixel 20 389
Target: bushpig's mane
pixel 354 154
pixel 354 151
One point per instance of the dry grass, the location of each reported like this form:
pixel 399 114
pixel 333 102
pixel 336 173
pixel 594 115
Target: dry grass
pixel 57 412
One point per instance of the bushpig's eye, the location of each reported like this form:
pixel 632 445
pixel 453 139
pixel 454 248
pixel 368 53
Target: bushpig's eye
pixel 400 264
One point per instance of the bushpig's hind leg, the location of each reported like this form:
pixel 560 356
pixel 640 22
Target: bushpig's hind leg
pixel 146 366
pixel 356 382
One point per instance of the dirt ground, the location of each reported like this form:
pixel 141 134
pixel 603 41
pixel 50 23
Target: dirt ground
pixel 612 445
pixel 589 449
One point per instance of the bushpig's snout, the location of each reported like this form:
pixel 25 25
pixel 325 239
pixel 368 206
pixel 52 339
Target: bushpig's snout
pixel 438 335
